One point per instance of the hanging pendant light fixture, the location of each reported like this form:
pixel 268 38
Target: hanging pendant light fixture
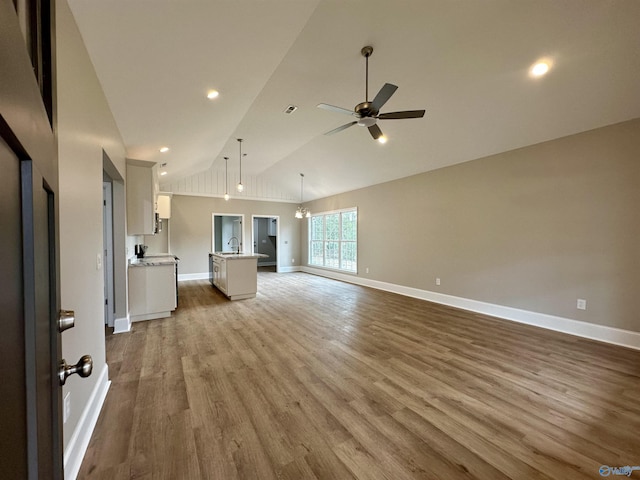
pixel 302 212
pixel 226 179
pixel 240 187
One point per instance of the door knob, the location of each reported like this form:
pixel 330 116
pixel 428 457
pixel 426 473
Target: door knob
pixel 84 367
pixel 66 320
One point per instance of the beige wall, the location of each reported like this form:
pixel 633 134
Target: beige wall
pixel 535 228
pixel 85 128
pixel 190 231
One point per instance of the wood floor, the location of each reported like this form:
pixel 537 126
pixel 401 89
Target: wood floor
pixel 317 379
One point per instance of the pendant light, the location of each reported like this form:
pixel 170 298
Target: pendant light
pixel 240 187
pixel 302 212
pixel 226 179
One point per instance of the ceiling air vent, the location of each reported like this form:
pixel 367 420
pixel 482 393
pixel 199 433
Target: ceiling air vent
pixel 290 109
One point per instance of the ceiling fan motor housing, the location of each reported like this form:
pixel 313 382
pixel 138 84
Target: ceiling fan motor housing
pixel 364 109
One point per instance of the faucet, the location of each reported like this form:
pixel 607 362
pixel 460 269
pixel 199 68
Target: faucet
pixel 237 243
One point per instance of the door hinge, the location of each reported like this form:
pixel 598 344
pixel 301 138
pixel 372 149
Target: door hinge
pixel 106 301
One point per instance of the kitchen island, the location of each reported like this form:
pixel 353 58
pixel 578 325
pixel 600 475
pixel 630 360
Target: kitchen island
pixel 235 274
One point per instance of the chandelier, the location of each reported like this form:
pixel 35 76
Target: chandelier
pixel 302 212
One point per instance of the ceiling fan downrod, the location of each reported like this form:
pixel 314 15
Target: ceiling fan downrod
pixel 366 52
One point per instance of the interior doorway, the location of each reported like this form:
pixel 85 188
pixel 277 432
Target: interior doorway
pixel 226 232
pixel 265 233
pixel 107 254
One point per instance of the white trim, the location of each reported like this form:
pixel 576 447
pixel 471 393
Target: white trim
pixel 234 197
pixel 193 276
pixel 150 316
pixel 277 217
pixel 77 447
pixel 602 333
pixel 289 269
pixel 324 240
pixel 205 276
pixel 122 325
pixel 213 229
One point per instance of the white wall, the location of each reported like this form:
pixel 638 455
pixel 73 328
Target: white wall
pixel 190 233
pixel 532 229
pixel 85 128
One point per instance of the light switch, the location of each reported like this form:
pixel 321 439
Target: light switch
pixel 99 262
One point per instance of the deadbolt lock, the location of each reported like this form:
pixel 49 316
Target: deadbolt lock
pixel 66 320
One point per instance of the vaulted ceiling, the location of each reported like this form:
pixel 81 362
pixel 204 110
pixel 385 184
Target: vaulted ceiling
pixel 466 62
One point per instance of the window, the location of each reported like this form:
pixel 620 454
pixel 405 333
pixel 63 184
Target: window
pixel 333 240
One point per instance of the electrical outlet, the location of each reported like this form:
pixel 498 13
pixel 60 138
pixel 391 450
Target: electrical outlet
pixel 293 260
pixel 366 270
pixel 66 411
pixel 581 304
pixel 437 281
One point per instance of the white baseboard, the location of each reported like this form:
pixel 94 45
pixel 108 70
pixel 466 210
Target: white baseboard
pixel 205 276
pixel 193 276
pixel 289 269
pixel 77 447
pixel 122 325
pixel 617 336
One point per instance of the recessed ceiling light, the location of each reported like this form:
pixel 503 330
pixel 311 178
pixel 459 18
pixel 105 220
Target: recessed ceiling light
pixel 211 94
pixel 539 69
pixel 164 149
pixel 382 139
pixel 163 173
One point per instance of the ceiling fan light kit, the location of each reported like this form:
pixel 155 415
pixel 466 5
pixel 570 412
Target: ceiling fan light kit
pixel 368 113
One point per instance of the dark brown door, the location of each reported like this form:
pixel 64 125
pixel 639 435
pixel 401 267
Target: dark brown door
pixel 30 424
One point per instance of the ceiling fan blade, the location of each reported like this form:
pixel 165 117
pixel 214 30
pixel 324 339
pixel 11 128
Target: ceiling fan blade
pixel 375 131
pixel 400 115
pixel 383 95
pixel 331 108
pixel 342 127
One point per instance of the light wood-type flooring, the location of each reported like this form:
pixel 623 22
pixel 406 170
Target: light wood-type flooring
pixel 318 379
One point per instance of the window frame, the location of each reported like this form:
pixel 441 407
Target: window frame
pixel 325 240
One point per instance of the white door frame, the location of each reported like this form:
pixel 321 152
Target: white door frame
pixel 277 217
pixel 107 257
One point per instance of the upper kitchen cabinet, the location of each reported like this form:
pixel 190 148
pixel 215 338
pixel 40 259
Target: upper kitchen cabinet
pixel 163 205
pixel 142 188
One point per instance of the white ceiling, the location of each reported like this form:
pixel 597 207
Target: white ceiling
pixel 466 62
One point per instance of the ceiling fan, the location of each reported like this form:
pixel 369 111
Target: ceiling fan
pixel 368 113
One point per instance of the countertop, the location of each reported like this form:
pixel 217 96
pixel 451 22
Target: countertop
pixel 153 260
pixel 237 256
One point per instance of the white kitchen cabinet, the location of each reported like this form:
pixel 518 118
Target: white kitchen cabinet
pixel 220 273
pixel 235 275
pixel 142 187
pixel 272 229
pixel 163 205
pixel 152 291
